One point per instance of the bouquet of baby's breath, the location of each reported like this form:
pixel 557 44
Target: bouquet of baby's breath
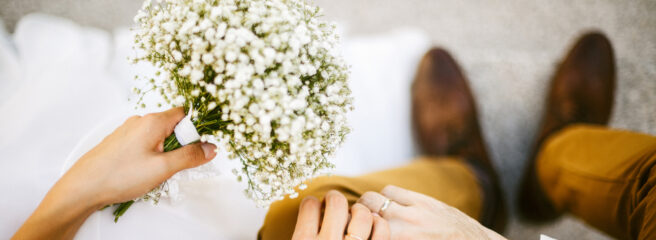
pixel 260 77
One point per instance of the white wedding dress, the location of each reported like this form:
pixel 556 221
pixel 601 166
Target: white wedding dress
pixel 64 87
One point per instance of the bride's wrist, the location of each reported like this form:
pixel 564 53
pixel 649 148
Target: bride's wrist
pixel 80 193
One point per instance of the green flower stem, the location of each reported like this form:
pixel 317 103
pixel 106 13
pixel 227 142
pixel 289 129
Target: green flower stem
pixel 121 209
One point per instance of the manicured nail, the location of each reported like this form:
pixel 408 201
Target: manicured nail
pixel 208 150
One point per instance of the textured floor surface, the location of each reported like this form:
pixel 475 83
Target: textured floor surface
pixel 508 49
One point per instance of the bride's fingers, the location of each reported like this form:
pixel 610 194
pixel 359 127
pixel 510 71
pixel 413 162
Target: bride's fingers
pixel 189 156
pixel 375 201
pixel 307 223
pixel 163 123
pixel 361 222
pixel 335 216
pixel 381 230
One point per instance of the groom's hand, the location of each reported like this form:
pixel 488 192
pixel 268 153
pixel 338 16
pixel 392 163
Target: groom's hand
pixel 125 165
pixel 412 215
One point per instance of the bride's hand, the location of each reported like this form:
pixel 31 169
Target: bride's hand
pixel 130 161
pixel 412 215
pixel 125 165
pixel 361 225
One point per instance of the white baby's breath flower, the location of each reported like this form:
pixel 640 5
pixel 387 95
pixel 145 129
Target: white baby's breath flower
pixel 263 78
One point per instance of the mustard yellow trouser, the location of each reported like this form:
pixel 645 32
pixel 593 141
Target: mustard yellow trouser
pixel 603 176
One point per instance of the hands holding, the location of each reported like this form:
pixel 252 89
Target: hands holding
pixel 125 165
pixel 406 215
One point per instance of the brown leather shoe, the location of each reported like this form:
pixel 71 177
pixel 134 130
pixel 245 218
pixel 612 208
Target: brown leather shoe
pixel 581 92
pixel 445 122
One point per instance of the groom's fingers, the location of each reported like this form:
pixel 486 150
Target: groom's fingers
pixel 375 201
pixel 189 156
pixel 402 195
pixel 307 223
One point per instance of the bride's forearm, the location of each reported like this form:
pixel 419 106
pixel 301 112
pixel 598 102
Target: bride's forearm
pixel 61 213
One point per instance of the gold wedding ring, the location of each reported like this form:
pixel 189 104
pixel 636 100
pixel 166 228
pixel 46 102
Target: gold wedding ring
pixel 351 236
pixel 385 206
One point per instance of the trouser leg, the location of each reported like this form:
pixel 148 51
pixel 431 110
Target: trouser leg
pixel 605 177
